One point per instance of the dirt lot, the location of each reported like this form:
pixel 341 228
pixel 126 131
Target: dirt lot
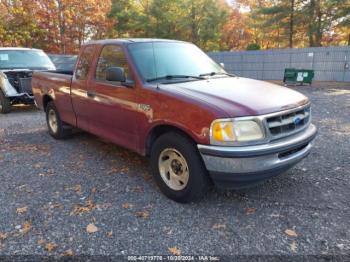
pixel 51 191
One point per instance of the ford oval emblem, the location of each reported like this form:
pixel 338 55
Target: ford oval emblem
pixel 297 120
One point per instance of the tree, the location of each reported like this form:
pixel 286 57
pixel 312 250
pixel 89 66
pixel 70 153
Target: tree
pixel 18 25
pixel 69 23
pixel 198 21
pixel 202 22
pixel 126 16
pixel 253 46
pixel 236 32
pixel 282 14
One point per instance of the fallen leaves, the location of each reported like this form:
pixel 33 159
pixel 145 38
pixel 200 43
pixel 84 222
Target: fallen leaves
pixel 41 242
pixel 68 253
pixel 81 209
pixel 21 210
pixel 50 247
pixel 291 233
pixel 219 226
pixel 37 148
pixel 91 228
pixel 137 189
pixel 37 165
pixel 76 189
pixel 3 236
pixel 26 227
pixel 23 229
pixel 250 210
pixel 293 247
pixel 46 174
pixel 88 207
pixel 127 205
pixel 53 206
pixel 142 214
pixel 115 170
pixel 174 251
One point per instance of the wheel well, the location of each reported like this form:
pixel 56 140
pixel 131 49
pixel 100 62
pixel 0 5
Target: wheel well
pixel 46 100
pixel 161 130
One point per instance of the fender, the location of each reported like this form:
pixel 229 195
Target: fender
pixel 6 87
pixel 200 137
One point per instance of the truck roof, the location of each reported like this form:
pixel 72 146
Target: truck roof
pixel 18 48
pixel 130 40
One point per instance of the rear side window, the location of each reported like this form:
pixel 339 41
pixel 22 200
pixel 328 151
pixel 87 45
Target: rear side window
pixel 111 56
pixel 84 63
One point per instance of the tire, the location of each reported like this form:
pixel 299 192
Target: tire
pixel 5 104
pixel 57 128
pixel 168 168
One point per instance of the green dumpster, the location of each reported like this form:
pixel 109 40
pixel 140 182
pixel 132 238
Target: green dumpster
pixel 298 76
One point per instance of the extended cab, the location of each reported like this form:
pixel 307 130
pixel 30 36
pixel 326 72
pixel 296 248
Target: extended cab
pixel 168 100
pixel 16 69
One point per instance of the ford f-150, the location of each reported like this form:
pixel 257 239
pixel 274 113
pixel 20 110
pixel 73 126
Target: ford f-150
pixel 168 100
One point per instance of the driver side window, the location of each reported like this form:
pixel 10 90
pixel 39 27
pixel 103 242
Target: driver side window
pixel 111 56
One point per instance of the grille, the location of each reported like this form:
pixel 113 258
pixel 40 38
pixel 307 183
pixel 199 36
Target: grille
pixel 26 85
pixel 21 81
pixel 289 123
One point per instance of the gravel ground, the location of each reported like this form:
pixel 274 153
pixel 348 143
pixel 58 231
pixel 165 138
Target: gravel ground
pixel 50 191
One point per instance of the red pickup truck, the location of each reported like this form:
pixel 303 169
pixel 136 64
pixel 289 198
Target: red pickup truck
pixel 168 100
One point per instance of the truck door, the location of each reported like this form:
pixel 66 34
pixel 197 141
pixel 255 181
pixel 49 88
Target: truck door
pixel 79 93
pixel 114 108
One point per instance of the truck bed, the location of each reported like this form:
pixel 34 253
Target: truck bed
pixel 45 82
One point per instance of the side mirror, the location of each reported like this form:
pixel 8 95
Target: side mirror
pixel 222 65
pixel 115 74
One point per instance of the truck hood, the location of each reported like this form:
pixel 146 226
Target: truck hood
pixel 238 96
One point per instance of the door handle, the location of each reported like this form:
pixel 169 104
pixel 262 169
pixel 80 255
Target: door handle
pixel 91 94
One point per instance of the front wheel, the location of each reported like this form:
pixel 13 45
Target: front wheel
pixel 178 169
pixel 5 104
pixel 57 128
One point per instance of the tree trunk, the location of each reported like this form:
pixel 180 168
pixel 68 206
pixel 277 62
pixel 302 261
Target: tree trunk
pixel 61 22
pixel 291 24
pixel 194 30
pixel 310 14
pixel 319 31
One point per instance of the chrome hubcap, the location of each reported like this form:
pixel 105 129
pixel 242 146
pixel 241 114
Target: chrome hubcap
pixel 53 121
pixel 173 169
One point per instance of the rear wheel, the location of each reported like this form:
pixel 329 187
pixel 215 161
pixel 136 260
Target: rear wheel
pixel 5 104
pixel 178 168
pixel 57 128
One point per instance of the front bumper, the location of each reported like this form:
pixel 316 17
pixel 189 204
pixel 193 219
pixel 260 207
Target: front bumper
pixel 236 167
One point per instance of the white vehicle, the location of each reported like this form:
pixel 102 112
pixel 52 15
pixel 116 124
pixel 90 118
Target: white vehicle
pixel 16 69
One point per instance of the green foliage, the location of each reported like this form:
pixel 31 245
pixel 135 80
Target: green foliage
pixel 199 21
pixel 253 46
pixel 126 16
pixel 63 25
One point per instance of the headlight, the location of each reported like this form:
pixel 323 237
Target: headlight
pixel 226 131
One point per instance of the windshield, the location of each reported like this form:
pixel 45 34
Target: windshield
pixel 25 59
pixel 161 60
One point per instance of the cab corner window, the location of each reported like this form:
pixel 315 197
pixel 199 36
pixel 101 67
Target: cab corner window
pixel 111 56
pixel 84 63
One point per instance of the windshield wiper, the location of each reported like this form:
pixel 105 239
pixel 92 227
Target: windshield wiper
pixel 216 73
pixel 170 77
